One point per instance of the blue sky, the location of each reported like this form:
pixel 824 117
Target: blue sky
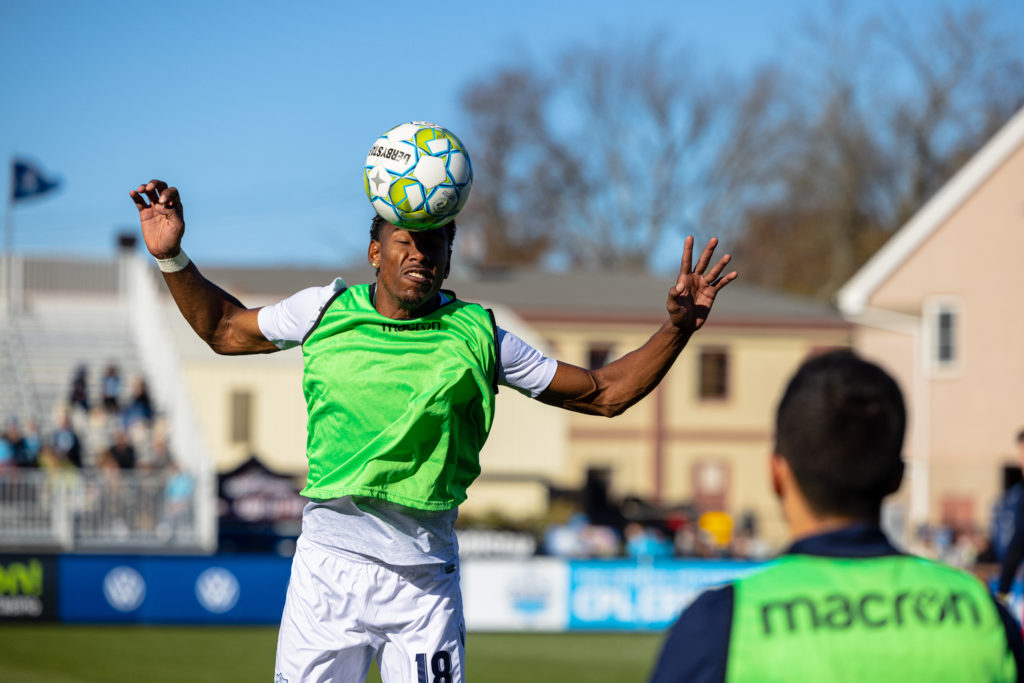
pixel 262 112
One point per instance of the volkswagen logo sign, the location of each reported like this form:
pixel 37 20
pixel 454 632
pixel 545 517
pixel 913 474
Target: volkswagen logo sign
pixel 124 588
pixel 217 590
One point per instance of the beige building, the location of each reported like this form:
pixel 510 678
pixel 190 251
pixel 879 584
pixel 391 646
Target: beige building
pixel 935 306
pixel 703 436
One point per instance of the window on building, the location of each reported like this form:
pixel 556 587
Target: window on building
pixel 241 416
pixel 945 347
pixel 944 334
pixel 597 355
pixel 713 374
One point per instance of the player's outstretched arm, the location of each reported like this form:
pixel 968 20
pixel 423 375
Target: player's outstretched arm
pixel 612 389
pixel 217 317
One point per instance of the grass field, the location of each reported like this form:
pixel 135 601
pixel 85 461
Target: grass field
pixel 35 653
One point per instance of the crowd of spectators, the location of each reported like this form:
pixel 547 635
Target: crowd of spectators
pixel 119 430
pixel 97 439
pixel 679 533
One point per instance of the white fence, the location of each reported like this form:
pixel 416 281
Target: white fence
pixel 97 510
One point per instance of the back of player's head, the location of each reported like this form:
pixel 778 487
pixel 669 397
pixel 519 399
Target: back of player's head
pixel 378 224
pixel 840 426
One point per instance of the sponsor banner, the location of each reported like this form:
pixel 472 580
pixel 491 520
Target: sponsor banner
pixel 242 589
pixel 537 594
pixel 28 588
pixel 624 595
pixel 515 595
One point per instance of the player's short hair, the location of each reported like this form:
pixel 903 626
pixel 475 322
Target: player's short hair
pixel 1020 437
pixel 377 226
pixel 840 426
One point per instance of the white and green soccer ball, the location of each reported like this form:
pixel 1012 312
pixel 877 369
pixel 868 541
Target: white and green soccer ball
pixel 417 175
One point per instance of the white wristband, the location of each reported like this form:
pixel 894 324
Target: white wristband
pixel 175 263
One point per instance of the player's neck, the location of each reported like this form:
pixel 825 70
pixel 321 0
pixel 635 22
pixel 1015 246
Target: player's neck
pixel 803 520
pixel 396 309
pixel 815 526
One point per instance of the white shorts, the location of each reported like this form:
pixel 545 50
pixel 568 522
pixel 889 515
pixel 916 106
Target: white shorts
pixel 341 611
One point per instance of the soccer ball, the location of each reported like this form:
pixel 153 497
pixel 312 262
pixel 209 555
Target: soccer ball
pixel 417 175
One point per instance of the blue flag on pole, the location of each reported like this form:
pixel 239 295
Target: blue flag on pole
pixel 28 181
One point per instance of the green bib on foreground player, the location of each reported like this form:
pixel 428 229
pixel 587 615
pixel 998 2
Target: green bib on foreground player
pixel 398 409
pixel 893 618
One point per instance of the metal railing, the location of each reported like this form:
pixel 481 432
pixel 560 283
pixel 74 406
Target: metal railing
pixel 97 510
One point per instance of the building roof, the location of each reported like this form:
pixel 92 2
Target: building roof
pixel 535 295
pixel 570 296
pixel 853 297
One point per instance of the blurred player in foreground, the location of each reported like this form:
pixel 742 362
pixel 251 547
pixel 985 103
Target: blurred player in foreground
pixel 842 604
pixel 400 379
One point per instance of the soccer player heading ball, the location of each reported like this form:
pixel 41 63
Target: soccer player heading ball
pixel 400 380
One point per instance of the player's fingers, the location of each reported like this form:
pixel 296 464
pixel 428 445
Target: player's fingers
pixel 151 193
pixel 169 196
pixel 723 281
pixel 684 266
pixel 136 195
pixel 717 269
pixel 705 257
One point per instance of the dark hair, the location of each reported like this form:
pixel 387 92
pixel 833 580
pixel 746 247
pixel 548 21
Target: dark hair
pixel 840 426
pixel 1020 436
pixel 378 225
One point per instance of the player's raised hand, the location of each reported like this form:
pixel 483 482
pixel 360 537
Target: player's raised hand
pixel 691 298
pixel 161 216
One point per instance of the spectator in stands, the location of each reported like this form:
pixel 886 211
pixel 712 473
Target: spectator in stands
pixel 140 407
pixel 66 444
pixel 111 389
pixel 122 451
pixel 842 603
pixel 79 397
pixel 579 538
pixel 646 543
pixel 159 456
pixel 16 446
pixel 33 441
pixel 567 540
pixel 55 466
pixel 6 454
pixel 177 509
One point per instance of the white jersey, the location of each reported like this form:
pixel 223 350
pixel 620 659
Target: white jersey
pixel 391 533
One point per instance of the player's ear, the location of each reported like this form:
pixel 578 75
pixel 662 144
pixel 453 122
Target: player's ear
pixel 777 467
pixel 373 254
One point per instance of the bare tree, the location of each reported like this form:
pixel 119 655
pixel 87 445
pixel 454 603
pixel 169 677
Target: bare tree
pixel 831 152
pixel 518 164
pixel 808 164
pixel 965 82
pixel 592 160
pixel 640 116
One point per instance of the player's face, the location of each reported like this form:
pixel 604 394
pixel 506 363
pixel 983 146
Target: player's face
pixel 412 266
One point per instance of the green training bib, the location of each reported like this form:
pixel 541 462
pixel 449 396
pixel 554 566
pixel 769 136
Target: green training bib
pixel 398 409
pixel 894 618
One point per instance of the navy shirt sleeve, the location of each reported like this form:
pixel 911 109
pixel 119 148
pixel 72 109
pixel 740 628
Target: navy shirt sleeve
pixel 1015 551
pixel 1014 640
pixel 697 647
